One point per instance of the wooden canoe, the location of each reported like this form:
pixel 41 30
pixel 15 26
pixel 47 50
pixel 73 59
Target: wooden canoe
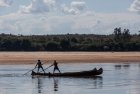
pixel 93 72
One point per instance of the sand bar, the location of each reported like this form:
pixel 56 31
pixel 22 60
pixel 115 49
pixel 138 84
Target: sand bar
pixel 67 57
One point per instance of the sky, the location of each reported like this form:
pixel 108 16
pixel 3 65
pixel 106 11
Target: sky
pixel 39 17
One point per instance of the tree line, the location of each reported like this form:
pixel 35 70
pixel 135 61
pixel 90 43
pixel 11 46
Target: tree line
pixel 119 40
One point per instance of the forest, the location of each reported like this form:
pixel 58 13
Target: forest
pixel 119 40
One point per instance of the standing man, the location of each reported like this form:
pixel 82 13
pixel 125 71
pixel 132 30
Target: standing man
pixel 39 64
pixel 55 64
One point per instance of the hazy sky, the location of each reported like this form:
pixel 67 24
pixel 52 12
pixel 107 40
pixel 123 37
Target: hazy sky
pixel 68 16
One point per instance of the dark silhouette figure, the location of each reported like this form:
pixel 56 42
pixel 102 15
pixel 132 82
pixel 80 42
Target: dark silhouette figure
pixel 55 64
pixel 39 64
pixel 39 85
pixel 38 81
pixel 55 84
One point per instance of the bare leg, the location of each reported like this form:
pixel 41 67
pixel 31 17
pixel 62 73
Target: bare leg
pixel 53 70
pixel 42 69
pixel 58 70
pixel 38 69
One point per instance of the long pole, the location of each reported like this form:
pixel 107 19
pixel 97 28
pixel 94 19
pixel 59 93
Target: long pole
pixel 28 71
pixel 47 68
pixel 32 69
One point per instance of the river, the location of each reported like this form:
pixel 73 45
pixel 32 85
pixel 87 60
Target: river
pixel 117 78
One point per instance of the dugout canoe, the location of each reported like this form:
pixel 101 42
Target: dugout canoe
pixel 93 72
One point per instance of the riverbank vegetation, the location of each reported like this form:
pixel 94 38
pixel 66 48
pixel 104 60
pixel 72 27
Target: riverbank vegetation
pixel 119 40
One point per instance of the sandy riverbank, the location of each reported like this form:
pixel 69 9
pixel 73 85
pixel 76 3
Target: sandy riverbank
pixel 66 57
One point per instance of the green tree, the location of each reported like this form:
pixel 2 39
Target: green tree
pixel 26 45
pixel 52 46
pixel 65 44
pixel 126 35
pixel 117 34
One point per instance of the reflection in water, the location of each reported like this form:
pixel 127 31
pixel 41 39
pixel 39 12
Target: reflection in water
pixel 98 82
pixel 55 84
pixel 120 66
pixel 94 82
pixel 126 66
pixel 39 83
pixel 39 80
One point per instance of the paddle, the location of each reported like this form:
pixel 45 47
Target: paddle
pixel 29 71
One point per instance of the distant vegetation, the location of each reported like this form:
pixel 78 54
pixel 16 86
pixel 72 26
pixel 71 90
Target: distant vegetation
pixel 119 40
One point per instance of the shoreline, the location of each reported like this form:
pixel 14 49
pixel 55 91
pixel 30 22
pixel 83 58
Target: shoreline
pixel 69 57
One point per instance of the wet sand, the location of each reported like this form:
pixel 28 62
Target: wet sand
pixel 68 57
